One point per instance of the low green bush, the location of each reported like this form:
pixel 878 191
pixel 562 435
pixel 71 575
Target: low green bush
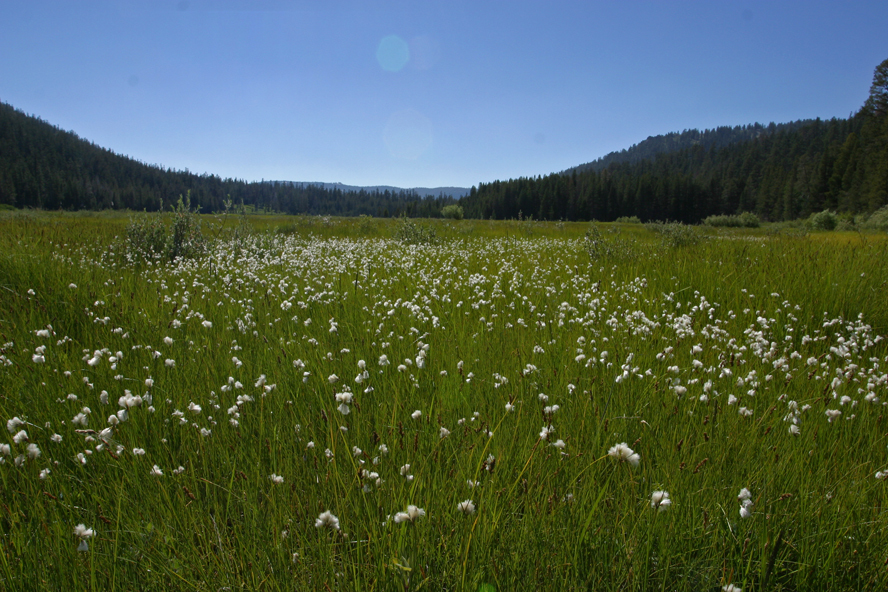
pixel 824 220
pixel 675 234
pixel 453 212
pixel 743 220
pixel 878 220
pixel 615 247
pixel 150 237
pixel 411 233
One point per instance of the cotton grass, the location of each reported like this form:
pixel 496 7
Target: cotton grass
pixel 482 389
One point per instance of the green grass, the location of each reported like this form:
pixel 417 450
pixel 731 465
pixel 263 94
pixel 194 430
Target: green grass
pixel 509 311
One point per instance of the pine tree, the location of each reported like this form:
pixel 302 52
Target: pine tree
pixel 877 103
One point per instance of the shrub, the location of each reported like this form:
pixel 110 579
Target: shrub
pixel 749 220
pixel 411 233
pixel 824 220
pixel 148 237
pixel 185 239
pixel 743 220
pixel 846 222
pixel 366 224
pixel 878 220
pixel 453 211
pixel 599 247
pixel 628 220
pixel 722 221
pixel 675 234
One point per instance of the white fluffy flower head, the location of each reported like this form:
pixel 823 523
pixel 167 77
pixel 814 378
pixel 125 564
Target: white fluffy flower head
pixel 623 453
pixel 328 520
pixel 412 514
pixel 660 500
pixel 81 531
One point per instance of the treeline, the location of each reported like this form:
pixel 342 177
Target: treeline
pixel 44 167
pixel 781 174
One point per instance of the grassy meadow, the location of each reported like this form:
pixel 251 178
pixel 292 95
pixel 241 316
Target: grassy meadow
pixel 359 404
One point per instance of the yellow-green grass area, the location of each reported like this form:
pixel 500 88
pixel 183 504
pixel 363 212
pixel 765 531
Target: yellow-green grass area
pixel 314 404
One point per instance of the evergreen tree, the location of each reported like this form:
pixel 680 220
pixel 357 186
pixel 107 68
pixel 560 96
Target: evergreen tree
pixel 877 103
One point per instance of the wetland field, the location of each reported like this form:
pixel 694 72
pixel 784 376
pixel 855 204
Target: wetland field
pixel 306 403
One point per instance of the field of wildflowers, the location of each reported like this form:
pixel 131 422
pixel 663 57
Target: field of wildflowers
pixel 509 406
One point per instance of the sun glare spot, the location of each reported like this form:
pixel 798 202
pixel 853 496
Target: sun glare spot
pixel 392 53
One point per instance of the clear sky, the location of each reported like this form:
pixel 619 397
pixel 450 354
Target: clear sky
pixel 424 93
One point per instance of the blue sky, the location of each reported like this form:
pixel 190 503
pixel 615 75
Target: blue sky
pixel 411 93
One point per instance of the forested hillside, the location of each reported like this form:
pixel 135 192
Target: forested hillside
pixel 711 138
pixel 42 166
pixel 781 174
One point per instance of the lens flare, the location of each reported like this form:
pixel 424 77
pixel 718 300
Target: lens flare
pixel 393 53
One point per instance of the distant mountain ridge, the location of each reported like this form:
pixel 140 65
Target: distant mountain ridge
pixel 454 192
